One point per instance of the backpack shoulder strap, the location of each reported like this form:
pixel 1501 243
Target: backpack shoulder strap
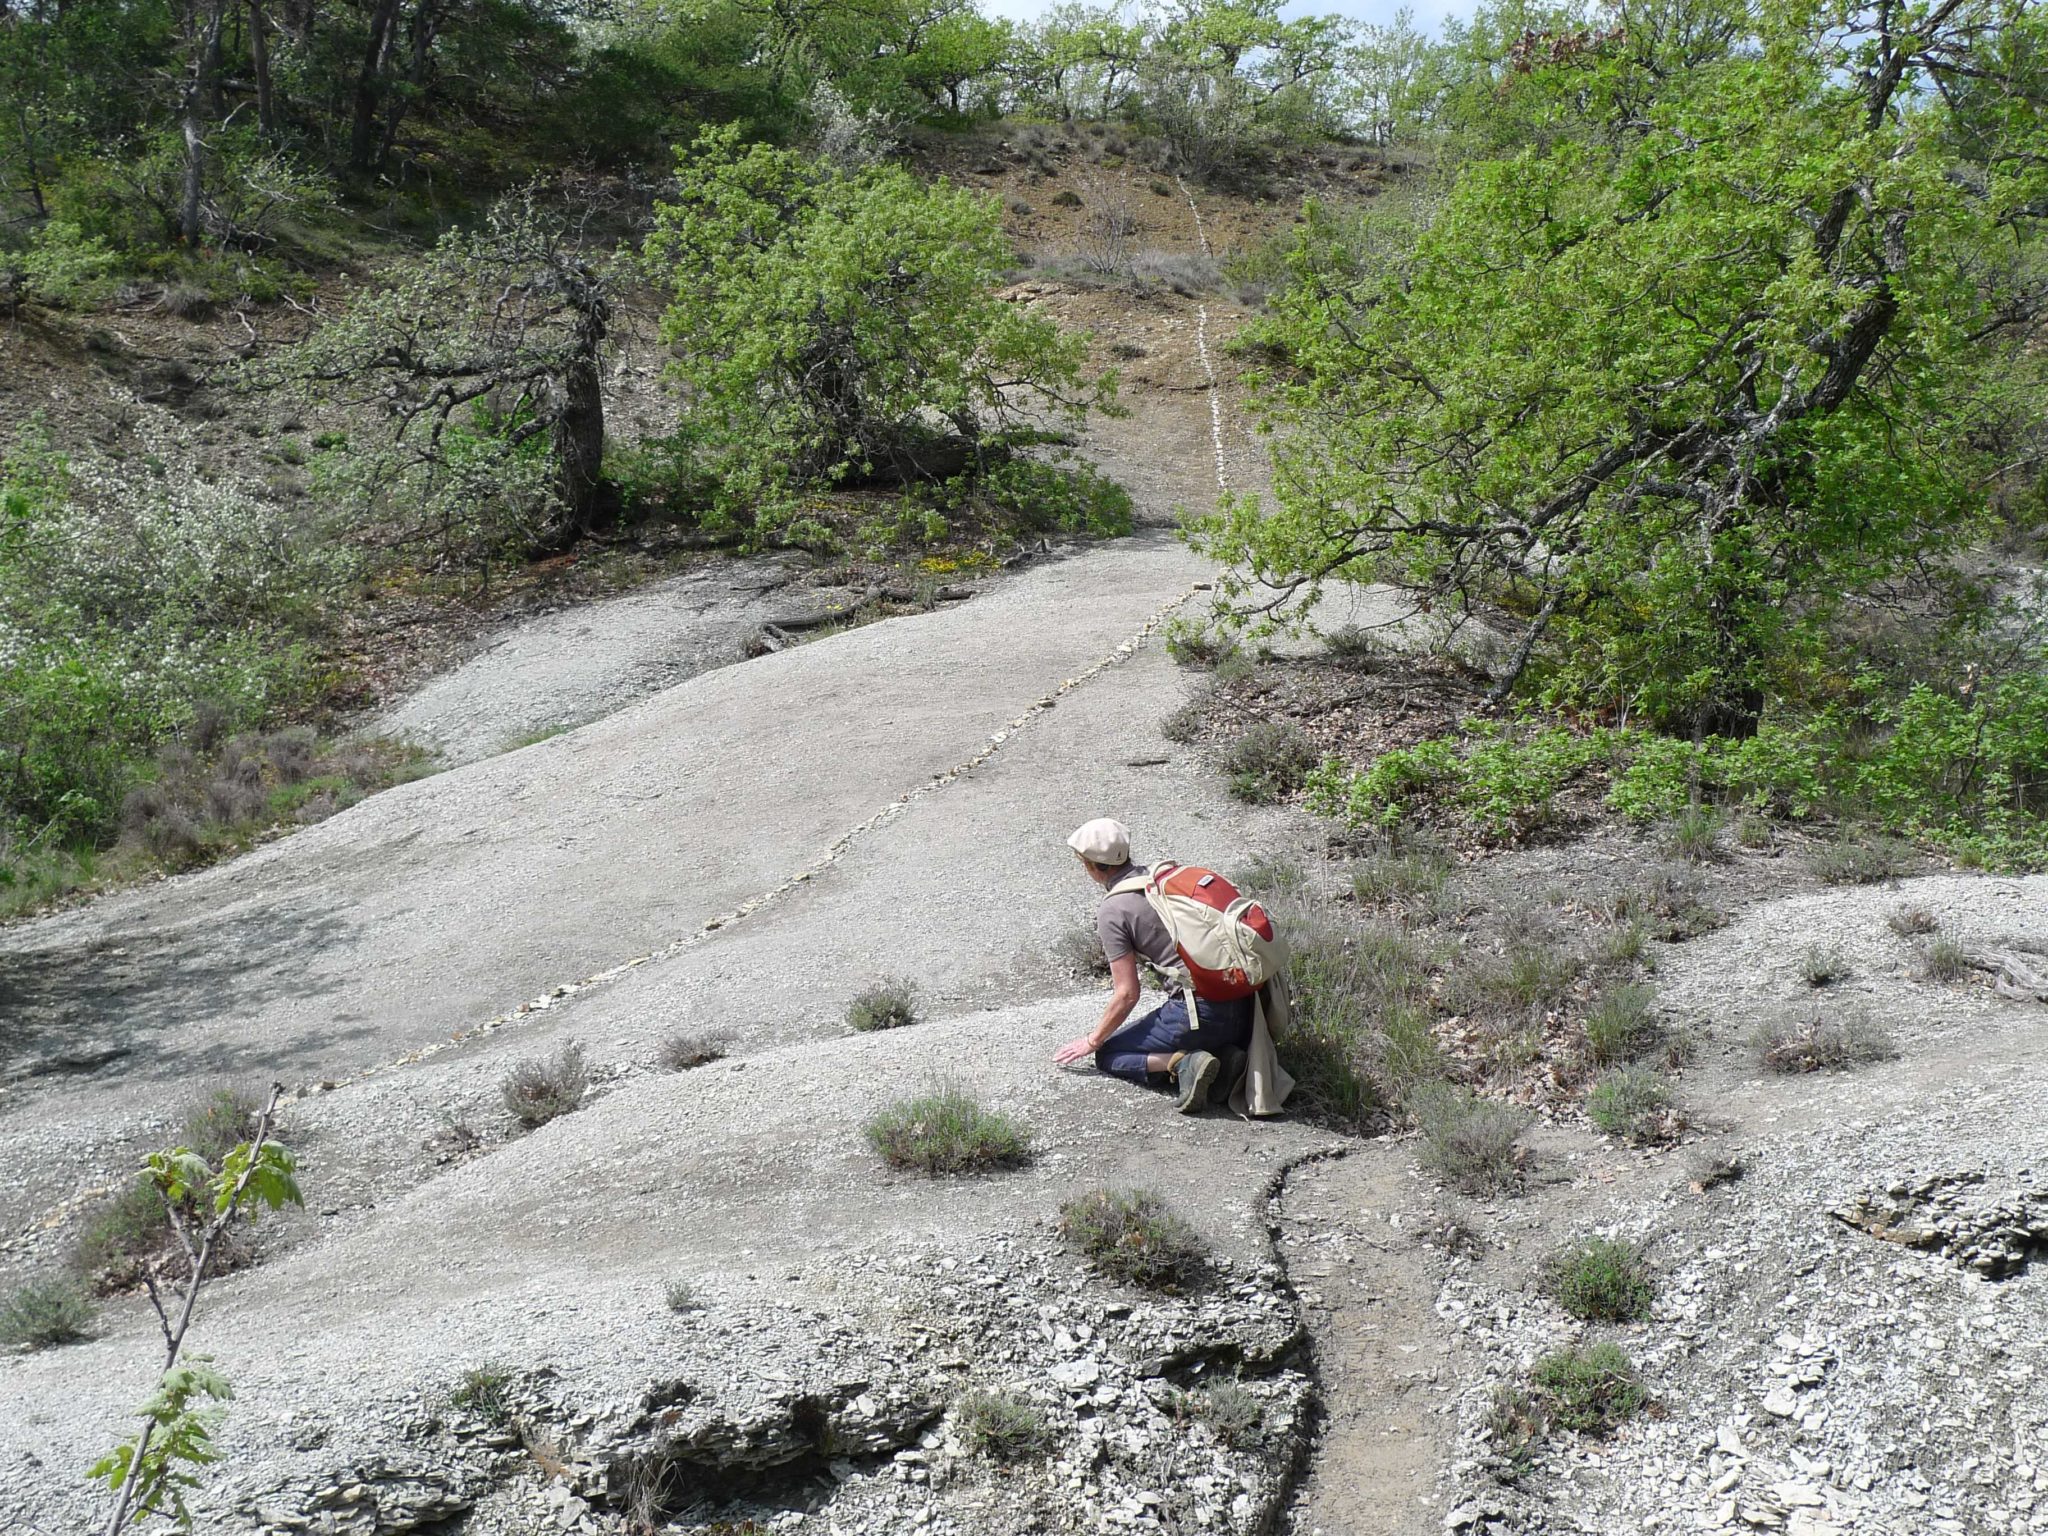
pixel 1139 880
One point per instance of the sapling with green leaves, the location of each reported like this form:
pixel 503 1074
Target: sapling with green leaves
pixel 150 1474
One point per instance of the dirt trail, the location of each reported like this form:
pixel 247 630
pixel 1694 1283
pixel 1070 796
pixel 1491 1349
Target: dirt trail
pixel 1350 1232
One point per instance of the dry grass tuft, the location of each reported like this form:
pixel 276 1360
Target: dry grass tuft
pixel 947 1131
pixel 1001 1427
pixel 888 1004
pixel 1473 1144
pixel 683 1052
pixel 536 1091
pixel 1132 1235
pixel 1819 1043
pixel 1634 1104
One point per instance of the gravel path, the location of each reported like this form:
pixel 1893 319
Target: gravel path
pixel 568 668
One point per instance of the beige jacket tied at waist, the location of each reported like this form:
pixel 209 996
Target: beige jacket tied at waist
pixel 1266 1084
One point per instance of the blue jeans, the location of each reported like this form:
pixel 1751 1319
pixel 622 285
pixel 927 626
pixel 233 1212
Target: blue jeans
pixel 1218 1027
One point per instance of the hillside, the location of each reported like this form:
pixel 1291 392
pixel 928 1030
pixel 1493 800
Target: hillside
pixel 1532 508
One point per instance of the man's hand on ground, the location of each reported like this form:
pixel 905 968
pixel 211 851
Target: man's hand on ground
pixel 1074 1050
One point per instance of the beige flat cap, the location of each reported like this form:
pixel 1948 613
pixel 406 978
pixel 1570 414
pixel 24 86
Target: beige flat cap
pixel 1102 841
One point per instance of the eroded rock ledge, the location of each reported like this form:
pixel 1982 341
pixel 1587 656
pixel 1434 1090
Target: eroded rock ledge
pixel 800 1421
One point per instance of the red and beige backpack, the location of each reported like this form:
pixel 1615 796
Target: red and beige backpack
pixel 1226 940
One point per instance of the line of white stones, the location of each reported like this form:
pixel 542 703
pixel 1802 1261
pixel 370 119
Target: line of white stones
pixel 1202 347
pixel 817 866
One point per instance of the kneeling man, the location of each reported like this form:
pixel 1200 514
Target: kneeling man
pixel 1200 1058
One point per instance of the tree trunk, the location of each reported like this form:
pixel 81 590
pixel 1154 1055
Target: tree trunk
pixel 33 169
pixel 424 31
pixel 216 107
pixel 202 85
pixel 189 228
pixel 579 444
pixel 578 436
pixel 362 137
pixel 259 64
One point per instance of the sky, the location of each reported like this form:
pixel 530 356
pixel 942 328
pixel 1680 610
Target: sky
pixel 1427 12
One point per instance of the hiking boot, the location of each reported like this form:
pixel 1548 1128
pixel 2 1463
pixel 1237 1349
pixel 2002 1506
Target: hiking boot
pixel 1228 1073
pixel 1193 1079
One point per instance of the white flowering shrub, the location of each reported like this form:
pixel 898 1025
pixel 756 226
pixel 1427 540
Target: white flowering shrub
pixel 126 606
pixel 850 137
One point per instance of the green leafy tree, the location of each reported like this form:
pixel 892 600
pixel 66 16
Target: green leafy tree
pixel 1666 389
pixel 70 82
pixel 1387 79
pixel 832 326
pixel 151 1474
pixel 955 52
pixel 1078 61
pixel 1225 80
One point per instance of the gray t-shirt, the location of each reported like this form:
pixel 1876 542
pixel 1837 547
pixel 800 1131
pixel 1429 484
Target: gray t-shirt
pixel 1127 925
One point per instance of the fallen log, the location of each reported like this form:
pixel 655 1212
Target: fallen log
pixel 2023 979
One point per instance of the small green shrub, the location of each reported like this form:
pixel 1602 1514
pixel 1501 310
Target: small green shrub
pixel 1234 1414
pixel 1268 762
pixel 1670 904
pixel 537 1091
pixel 947 1131
pixel 1817 1043
pixel 1066 197
pixel 1000 1427
pixel 1131 1235
pixel 1078 952
pixel 1590 1390
pixel 44 1312
pixel 1350 642
pixel 888 1004
pixel 1855 860
pixel 1185 724
pixel 1534 973
pixel 1822 966
pixel 1194 644
pixel 1620 1025
pixel 1634 1104
pixel 1041 497
pixel 1964 772
pixel 1600 1281
pixel 1943 959
pixel 122 1234
pixel 1473 1144
pixel 1622 948
pixel 220 1120
pixel 485 1392
pixel 1357 1038
pixel 1408 1052
pixel 1234 666
pixel 1694 834
pixel 1500 779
